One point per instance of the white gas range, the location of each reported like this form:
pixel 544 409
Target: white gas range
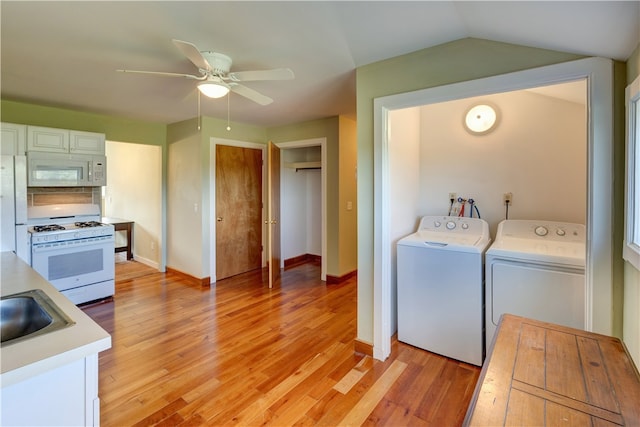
pixel 73 250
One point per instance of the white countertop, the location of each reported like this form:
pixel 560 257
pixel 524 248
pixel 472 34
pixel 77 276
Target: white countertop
pixel 42 353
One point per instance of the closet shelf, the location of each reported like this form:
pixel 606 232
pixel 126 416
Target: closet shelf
pixel 303 165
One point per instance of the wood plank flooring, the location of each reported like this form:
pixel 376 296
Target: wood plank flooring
pixel 239 353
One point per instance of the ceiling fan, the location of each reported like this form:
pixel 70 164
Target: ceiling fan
pixel 215 77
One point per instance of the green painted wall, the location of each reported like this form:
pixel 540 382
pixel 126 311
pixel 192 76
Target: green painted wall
pixel 461 60
pixel 631 296
pixel 348 217
pixel 115 128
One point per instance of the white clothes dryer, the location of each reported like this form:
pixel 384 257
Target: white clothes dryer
pixel 440 287
pixel 536 269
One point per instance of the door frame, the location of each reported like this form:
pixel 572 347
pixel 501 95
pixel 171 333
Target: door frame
pixel 213 142
pixel 314 142
pixel 599 266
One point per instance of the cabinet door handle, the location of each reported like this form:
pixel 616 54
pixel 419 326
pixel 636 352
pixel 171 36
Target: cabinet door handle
pixel 219 219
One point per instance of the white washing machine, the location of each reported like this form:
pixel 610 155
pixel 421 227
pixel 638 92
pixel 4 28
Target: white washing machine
pixel 535 269
pixel 441 288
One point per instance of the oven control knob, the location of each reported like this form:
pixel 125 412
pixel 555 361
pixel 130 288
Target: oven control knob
pixel 465 226
pixel 541 231
pixel 437 224
pixel 451 225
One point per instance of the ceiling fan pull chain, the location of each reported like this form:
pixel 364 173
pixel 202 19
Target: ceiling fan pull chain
pixel 228 113
pixel 199 115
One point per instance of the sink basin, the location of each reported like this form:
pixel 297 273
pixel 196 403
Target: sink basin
pixel 29 314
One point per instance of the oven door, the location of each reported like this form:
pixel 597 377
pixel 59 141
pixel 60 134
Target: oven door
pixel 75 263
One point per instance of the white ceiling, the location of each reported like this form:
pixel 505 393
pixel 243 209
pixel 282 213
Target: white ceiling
pixel 66 53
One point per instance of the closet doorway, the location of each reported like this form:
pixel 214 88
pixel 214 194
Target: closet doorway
pixel 303 202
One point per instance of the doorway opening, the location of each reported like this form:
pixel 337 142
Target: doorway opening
pixel 597 73
pixel 303 200
pixel 137 197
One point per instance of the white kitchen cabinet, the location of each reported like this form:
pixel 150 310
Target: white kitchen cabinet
pixel 54 140
pixel 47 139
pixel 13 139
pixel 49 379
pixel 64 396
pixel 86 142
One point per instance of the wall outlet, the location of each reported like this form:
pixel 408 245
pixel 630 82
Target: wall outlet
pixel 453 196
pixel 508 199
pixel 153 246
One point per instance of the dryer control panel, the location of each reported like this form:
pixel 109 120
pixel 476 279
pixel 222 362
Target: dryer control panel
pixel 544 230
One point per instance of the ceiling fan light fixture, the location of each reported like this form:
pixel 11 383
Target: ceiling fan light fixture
pixel 213 88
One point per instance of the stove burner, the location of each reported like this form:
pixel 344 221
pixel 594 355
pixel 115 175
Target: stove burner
pixel 51 227
pixel 88 224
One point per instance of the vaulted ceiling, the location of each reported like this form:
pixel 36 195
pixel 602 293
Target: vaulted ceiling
pixel 66 54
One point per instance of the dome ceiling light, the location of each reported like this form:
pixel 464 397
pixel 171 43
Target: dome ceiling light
pixel 481 119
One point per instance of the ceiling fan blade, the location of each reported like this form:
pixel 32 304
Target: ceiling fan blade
pixel 275 74
pixel 251 94
pixel 191 51
pixel 162 73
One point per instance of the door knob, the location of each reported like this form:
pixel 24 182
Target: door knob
pixel 219 219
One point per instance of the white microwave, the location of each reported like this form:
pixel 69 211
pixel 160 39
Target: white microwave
pixel 65 170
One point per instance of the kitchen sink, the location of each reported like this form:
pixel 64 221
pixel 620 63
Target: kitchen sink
pixel 29 314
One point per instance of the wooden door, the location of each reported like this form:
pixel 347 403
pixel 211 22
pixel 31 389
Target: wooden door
pixel 238 210
pixel 273 217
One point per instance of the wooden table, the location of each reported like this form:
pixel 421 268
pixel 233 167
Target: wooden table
pixel 544 374
pixel 126 226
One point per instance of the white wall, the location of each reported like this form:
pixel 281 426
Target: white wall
pixel 184 212
pixel 134 192
pixel 301 201
pixel 404 162
pixel 538 152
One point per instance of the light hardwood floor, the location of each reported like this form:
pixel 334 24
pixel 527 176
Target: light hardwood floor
pixel 239 353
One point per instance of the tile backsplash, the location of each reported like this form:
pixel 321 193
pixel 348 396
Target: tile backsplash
pixel 39 196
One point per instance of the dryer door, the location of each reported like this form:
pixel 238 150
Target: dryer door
pixel 542 292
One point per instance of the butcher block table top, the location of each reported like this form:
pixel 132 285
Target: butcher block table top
pixel 542 374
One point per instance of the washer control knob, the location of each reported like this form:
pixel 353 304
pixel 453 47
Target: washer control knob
pixel 560 232
pixel 451 225
pixel 465 226
pixel 541 230
pixel 437 224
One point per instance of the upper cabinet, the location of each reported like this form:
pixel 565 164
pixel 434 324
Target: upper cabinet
pixel 86 142
pixel 12 139
pixel 55 140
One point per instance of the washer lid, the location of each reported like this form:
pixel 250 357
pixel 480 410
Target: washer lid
pixel 446 241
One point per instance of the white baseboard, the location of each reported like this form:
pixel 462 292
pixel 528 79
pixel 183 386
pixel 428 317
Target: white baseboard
pixel 146 261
